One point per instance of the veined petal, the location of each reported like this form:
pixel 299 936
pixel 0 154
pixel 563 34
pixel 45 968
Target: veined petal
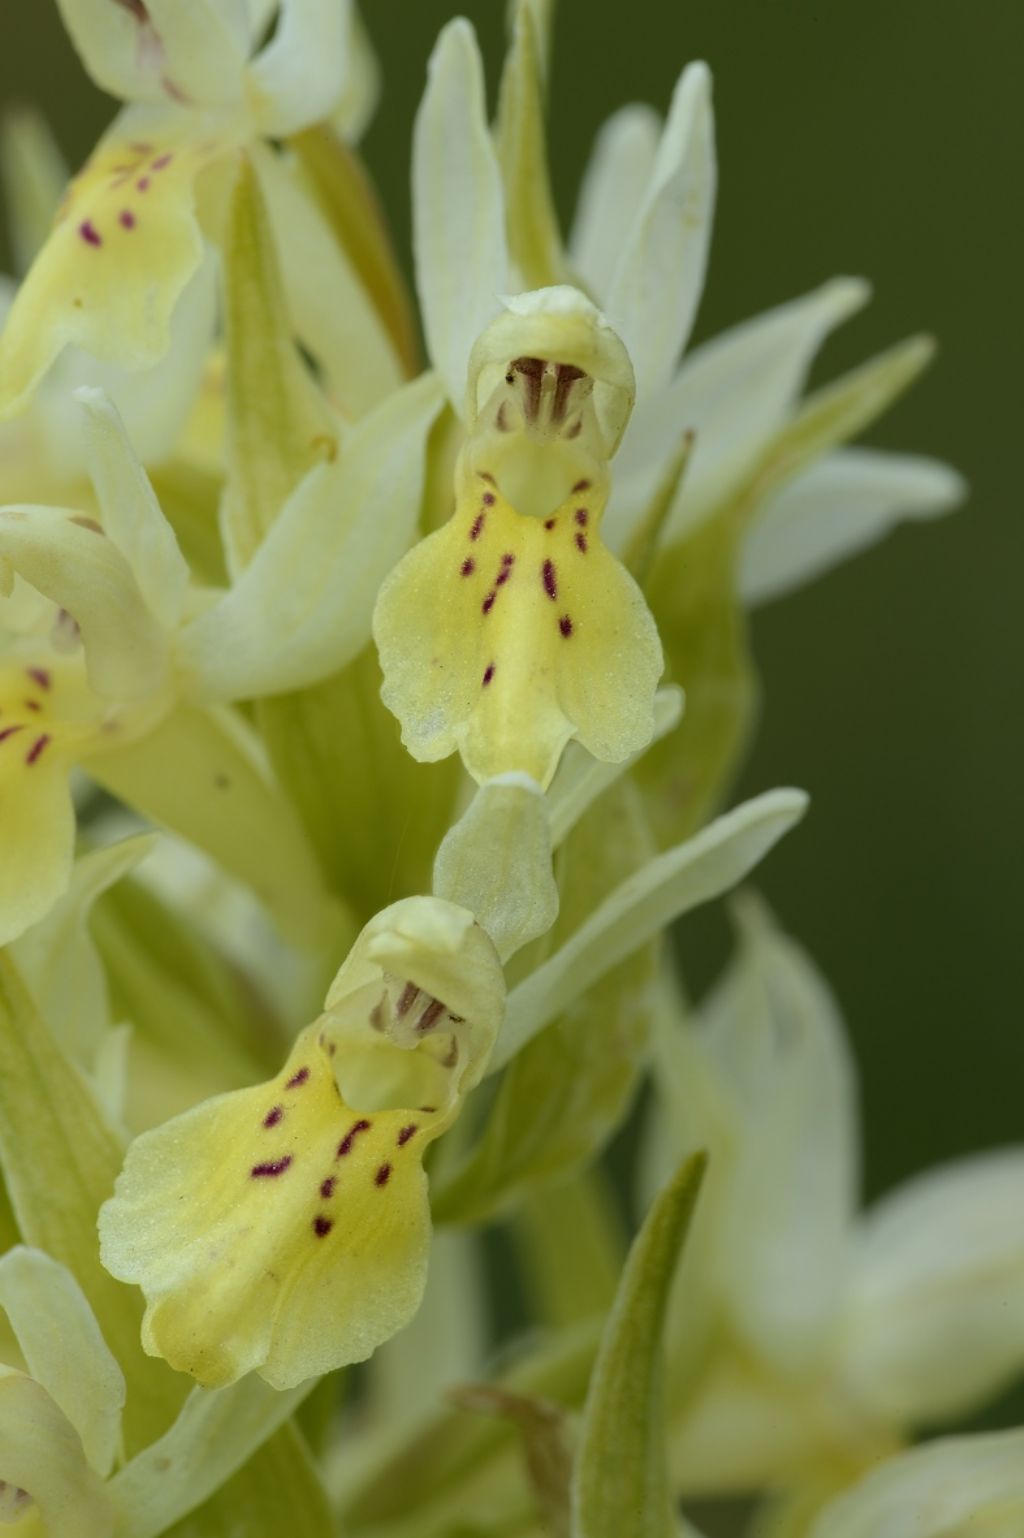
pixel 458 208
pixel 187 51
pixel 64 1349
pixel 42 1465
pixel 125 246
pixel 301 609
pixel 299 76
pixel 837 508
pixel 735 392
pixel 132 516
pixel 616 176
pixel 68 557
pixel 285 1228
pixel 653 297
pixel 662 890
pixel 934 1319
pixel 504 635
pixel 959 1487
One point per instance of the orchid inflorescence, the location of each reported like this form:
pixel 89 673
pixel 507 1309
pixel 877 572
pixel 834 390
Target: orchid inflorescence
pixel 366 720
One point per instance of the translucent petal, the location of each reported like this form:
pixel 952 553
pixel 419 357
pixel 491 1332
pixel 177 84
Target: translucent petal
pixel 42 1463
pixel 837 508
pixel 666 887
pixel 64 1350
pixel 285 1228
pixel 734 393
pixel 301 609
pixel 959 1487
pixel 934 1322
pixel 299 76
pixel 613 186
pixel 187 51
pixel 124 248
pixel 653 297
pixel 132 516
pixel 458 208
pixel 68 557
pixel 502 636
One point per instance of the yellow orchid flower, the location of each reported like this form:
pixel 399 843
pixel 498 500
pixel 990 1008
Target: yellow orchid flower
pixel 285 1228
pixel 131 231
pixel 512 629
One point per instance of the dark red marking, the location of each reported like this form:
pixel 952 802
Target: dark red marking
pixel 345 1146
pixel 298 1078
pixel 142 184
pixel 488 674
pixel 428 1110
pixel 503 576
pixel 430 1015
pixel 549 579
pixel 485 475
pixel 478 526
pixel 32 705
pixel 468 567
pixel 383 1175
pixel 406 1133
pixel 84 522
pixel 271 1167
pixel 407 999
pixel 327 1188
pixel 162 160
pixel 89 233
pixel 9 731
pixel 582 516
pixel 126 219
pixel 40 676
pixel 321 1225
pixel 565 625
pixel 549 523
pixel 488 499
pixel 273 1116
pixel 581 543
pixel 37 748
pixel 488 603
pixel 138 10
pixel 581 486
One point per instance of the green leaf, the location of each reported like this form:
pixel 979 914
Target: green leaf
pixel 569 1237
pixel 563 1096
pixel 59 1158
pixel 278 1491
pixel 620 1481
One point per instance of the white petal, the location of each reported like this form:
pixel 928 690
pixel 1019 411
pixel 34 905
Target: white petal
pixel 662 890
pixel 298 78
pixel 657 285
pixel 360 90
pixel 182 50
pixel 301 609
pixel 458 208
pixel 132 517
pixel 64 1350
pixel 838 507
pixel 958 1487
pixel 935 1314
pixel 619 169
pixel 777 1043
pixel 734 393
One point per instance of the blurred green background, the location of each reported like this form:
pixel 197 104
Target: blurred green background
pixel 880 137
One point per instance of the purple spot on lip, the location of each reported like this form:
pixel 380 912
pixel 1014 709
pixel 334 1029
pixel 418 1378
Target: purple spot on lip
pixel 298 1078
pixel 37 748
pixel 327 1188
pixel 33 705
pixel 126 219
pixel 477 527
pixel 407 998
pixel 321 1225
pixel 549 523
pixel 488 603
pixel 161 161
pixel 9 731
pixel 488 674
pixel 548 577
pixel 468 567
pixel 40 676
pixel 581 543
pixel 429 1017
pixel 565 625
pixel 383 1175
pixel 143 183
pixel 273 1116
pixel 271 1167
pixel 345 1146
pixel 581 486
pixel 581 516
pixel 488 499
pixel 405 1134
pixel 89 233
